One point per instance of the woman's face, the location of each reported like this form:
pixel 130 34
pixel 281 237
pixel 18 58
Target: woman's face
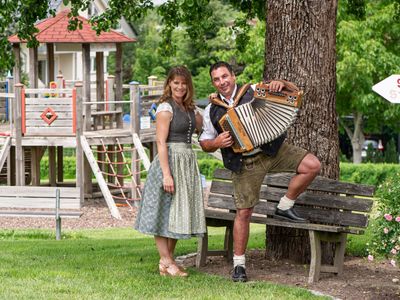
pixel 178 88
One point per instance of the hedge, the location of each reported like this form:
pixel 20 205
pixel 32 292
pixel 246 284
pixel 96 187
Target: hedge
pixel 372 174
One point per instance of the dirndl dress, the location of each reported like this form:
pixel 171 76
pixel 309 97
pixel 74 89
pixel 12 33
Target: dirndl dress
pixel 179 215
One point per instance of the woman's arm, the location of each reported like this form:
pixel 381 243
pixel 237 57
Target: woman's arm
pixel 199 121
pixel 163 120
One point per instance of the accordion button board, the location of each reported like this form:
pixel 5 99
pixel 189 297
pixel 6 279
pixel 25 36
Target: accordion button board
pixel 263 119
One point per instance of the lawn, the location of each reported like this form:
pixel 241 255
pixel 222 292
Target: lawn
pixel 116 263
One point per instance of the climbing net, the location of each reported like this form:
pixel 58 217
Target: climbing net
pixel 122 167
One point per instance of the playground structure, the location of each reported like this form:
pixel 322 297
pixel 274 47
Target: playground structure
pixel 85 116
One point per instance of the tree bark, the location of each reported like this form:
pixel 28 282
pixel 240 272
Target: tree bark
pixel 300 46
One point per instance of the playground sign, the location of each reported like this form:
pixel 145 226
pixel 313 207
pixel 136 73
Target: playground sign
pixel 389 88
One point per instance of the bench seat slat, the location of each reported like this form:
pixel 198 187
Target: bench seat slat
pixel 225 215
pixel 26 202
pixel 319 183
pixel 307 198
pixel 328 216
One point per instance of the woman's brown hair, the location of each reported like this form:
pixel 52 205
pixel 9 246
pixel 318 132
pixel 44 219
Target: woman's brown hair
pixel 188 101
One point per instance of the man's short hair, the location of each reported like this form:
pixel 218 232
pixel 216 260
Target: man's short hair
pixel 220 64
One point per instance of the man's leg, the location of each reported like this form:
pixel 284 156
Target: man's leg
pixel 241 229
pixel 307 170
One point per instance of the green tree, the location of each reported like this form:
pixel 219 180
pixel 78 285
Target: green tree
pixel 368 50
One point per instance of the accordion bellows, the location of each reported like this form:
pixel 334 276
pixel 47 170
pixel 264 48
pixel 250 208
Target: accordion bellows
pixel 262 120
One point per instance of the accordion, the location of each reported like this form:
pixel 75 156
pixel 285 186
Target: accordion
pixel 267 116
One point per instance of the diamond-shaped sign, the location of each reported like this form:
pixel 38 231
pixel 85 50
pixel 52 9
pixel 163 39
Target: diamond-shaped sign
pixel 48 115
pixel 389 88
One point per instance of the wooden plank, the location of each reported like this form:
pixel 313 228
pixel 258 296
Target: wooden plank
pixel 38 191
pixel 39 214
pixel 212 214
pixel 49 130
pixel 49 101
pixel 67 114
pixel 4 151
pixel 33 202
pixel 319 184
pixel 307 198
pixel 315 215
pixel 48 91
pixel 59 122
pixel 41 107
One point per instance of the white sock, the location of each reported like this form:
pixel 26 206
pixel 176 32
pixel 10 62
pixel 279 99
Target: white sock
pixel 285 203
pixel 239 260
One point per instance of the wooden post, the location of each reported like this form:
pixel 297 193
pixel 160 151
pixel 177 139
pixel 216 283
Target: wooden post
pixel 135 113
pixel 87 171
pixel 111 92
pixel 19 151
pixel 60 149
pixel 135 128
pixel 33 68
pixel 33 83
pixel 118 84
pixel 110 96
pixel 52 166
pixel 79 132
pixel 100 86
pixel 151 82
pixel 10 119
pixel 50 62
pixel 17 63
pixel 51 77
pixel 86 86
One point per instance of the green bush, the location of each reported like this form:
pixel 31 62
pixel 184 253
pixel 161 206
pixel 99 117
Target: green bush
pixel 372 174
pixel 208 166
pixel 386 228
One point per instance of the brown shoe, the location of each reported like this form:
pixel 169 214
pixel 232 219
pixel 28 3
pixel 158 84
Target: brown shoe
pixel 172 270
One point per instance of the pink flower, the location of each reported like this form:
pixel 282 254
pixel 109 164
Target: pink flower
pixel 388 217
pixel 385 230
pixel 397 219
pixel 393 251
pixel 370 257
pixel 393 262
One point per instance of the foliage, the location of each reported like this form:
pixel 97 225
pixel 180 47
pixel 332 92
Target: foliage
pixel 368 50
pixel 391 155
pixel 368 173
pixel 386 230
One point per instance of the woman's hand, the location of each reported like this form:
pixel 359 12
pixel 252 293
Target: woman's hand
pixel 168 184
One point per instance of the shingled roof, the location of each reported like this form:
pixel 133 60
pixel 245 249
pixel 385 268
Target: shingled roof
pixel 55 30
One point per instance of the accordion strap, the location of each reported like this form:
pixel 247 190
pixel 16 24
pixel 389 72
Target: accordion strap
pixel 215 99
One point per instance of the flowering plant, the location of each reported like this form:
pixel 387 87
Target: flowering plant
pixel 386 229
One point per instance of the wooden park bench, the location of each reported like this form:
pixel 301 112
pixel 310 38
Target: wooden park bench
pixel 333 208
pixel 40 202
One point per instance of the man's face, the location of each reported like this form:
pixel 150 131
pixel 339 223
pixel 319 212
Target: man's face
pixel 223 81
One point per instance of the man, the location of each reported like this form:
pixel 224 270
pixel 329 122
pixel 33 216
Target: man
pixel 250 168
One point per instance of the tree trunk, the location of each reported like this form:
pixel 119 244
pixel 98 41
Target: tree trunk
pixel 301 47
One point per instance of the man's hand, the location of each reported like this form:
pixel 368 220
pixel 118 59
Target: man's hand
pixel 224 140
pixel 276 86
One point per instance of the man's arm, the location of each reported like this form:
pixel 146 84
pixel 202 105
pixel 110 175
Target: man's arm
pixel 223 140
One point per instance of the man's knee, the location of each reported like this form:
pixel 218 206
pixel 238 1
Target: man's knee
pixel 244 214
pixel 310 165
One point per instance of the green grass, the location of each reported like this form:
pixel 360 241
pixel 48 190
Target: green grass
pixel 114 264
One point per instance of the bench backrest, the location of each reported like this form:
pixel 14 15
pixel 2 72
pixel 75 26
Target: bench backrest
pixel 39 197
pixel 326 201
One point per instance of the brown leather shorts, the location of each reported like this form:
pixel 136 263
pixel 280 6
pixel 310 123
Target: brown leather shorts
pixel 247 182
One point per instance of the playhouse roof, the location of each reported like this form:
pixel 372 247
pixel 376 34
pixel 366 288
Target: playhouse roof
pixel 55 30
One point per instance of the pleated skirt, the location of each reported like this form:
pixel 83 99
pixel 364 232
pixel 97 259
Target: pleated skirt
pixel 179 215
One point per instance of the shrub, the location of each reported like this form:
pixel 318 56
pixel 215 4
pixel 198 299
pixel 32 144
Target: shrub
pixel 386 229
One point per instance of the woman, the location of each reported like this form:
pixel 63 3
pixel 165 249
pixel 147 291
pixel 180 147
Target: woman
pixel 172 203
